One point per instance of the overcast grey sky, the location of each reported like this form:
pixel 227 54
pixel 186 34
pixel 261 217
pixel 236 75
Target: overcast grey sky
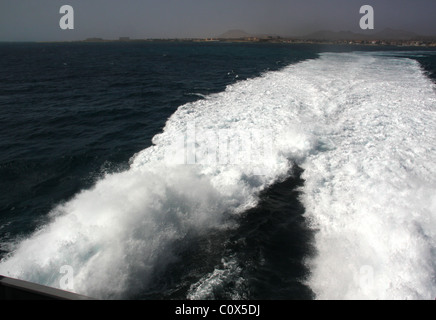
pixel 38 20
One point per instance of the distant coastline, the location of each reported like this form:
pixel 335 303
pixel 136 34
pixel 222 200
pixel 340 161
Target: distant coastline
pixel 407 43
pixel 278 40
pixel 386 37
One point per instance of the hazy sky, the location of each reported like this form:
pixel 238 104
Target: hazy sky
pixel 38 20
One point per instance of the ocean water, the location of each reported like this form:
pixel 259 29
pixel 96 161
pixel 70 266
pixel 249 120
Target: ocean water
pixel 219 171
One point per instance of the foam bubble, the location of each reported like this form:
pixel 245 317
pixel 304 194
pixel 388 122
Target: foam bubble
pixel 214 285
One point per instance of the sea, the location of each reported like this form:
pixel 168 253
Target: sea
pixel 219 171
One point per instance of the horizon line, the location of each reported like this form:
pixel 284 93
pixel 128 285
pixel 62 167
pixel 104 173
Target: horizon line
pixel 365 34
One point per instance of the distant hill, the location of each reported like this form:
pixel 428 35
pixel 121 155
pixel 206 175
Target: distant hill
pixel 385 34
pixel 235 34
pixel 332 35
pixel 391 34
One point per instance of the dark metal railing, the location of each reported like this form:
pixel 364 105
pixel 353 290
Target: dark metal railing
pixel 14 289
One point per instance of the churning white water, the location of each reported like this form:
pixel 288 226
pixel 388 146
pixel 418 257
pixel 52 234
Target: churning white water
pixel 363 128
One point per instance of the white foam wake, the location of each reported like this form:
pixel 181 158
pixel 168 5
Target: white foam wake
pixel 370 181
pixel 362 127
pixel 371 191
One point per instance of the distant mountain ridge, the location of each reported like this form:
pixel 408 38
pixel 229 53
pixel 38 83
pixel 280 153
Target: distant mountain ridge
pixel 235 34
pixel 241 34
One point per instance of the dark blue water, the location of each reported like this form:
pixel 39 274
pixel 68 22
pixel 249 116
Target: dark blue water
pixel 70 112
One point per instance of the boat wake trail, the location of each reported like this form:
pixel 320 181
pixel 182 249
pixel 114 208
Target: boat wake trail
pixel 361 126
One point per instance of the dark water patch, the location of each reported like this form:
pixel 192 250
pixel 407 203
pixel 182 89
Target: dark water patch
pixel 263 258
pixel 273 242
